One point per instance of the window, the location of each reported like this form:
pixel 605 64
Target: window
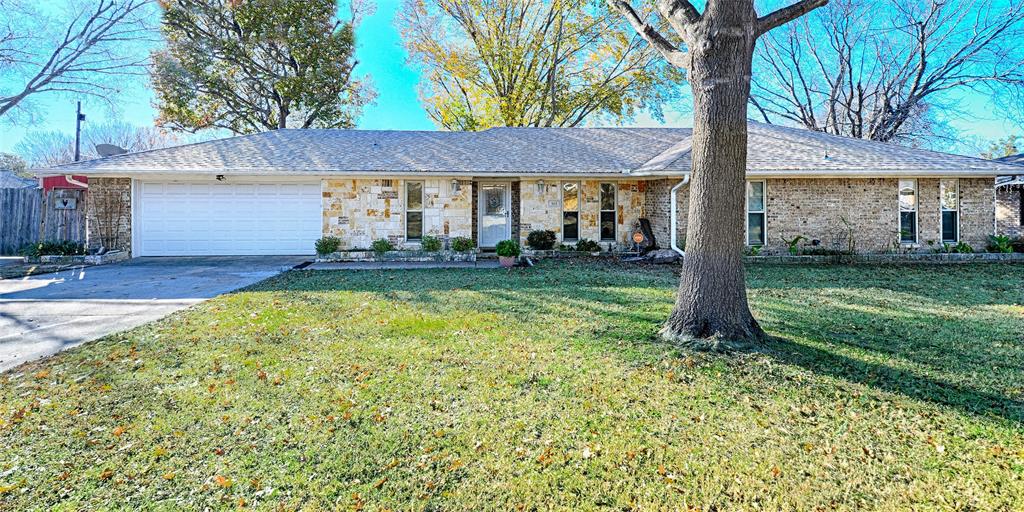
pixel 1022 206
pixel 413 210
pixel 908 211
pixel 755 213
pixel 949 197
pixel 608 211
pixel 570 210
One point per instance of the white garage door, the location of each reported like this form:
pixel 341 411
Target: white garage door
pixel 208 219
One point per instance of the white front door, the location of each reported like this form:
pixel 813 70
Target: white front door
pixel 495 217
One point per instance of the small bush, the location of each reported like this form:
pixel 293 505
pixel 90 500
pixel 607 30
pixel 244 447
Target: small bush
pixel 507 248
pixel 585 245
pixel 541 239
pixel 1018 244
pixel 54 248
pixel 463 244
pixel 963 248
pixel 1000 243
pixel 430 243
pixel 327 245
pixel 382 245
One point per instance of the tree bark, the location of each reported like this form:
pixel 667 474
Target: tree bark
pixel 711 310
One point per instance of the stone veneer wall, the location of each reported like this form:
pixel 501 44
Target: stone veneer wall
pixel 817 207
pixel 359 211
pixel 1008 210
pixel 541 208
pixel 109 201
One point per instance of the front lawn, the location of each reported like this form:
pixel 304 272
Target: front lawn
pixel 890 387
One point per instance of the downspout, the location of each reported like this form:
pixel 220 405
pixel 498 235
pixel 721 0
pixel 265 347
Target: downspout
pixel 672 214
pixel 71 179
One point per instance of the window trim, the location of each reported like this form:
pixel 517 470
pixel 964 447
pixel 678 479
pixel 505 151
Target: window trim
pixel 561 206
pixel 1020 206
pixel 763 211
pixel 405 204
pixel 916 210
pixel 943 209
pixel 614 210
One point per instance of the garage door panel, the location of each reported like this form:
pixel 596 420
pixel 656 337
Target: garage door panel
pixel 180 218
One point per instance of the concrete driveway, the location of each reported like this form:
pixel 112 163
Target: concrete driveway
pixel 45 314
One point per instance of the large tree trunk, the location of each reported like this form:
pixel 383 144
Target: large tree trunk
pixel 711 310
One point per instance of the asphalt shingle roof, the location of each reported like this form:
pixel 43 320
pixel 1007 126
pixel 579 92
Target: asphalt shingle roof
pixel 640 151
pixel 8 179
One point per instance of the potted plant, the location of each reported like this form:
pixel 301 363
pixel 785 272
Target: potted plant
pixel 508 251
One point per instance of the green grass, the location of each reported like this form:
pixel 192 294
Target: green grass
pixel 889 388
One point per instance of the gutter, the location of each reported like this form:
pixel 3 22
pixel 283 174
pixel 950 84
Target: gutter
pixel 672 209
pixel 71 179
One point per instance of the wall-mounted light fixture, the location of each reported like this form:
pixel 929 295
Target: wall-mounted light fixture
pixel 456 186
pixel 540 186
pixel 220 177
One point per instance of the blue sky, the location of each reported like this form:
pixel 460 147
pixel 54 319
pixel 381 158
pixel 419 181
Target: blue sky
pixel 398 107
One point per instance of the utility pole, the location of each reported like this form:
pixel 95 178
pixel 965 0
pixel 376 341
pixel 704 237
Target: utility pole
pixel 79 117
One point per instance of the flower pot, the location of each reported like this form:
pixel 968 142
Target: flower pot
pixel 507 261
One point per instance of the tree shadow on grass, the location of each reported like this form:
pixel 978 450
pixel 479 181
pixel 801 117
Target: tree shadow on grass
pixel 895 380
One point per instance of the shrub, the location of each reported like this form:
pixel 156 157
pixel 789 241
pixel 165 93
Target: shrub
pixel 1000 243
pixel 794 244
pixel 463 244
pixel 54 248
pixel 541 239
pixel 585 245
pixel 963 248
pixel 507 248
pixel 430 243
pixel 382 245
pixel 753 250
pixel 327 245
pixel 1018 244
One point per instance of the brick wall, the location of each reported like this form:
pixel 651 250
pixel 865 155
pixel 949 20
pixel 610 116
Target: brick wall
pixel 977 211
pixel 828 209
pixel 109 214
pixel 1008 211
pixel 656 209
pixel 361 211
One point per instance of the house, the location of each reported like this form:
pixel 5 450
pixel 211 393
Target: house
pixel 276 192
pixel 1010 199
pixel 10 179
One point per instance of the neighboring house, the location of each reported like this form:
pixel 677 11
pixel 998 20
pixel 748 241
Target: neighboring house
pixel 276 192
pixel 10 179
pixel 1010 199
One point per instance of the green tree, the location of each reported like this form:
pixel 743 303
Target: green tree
pixel 12 162
pixel 254 65
pixel 491 63
pixel 1007 146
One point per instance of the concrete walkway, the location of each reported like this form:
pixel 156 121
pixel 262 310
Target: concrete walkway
pixel 42 315
pixel 403 265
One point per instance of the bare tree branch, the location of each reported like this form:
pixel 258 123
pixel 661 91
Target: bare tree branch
pixel 669 51
pixel 787 14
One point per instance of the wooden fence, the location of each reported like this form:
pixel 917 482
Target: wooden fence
pixel 28 215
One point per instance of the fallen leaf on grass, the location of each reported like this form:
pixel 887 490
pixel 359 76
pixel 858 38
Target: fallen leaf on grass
pixel 223 482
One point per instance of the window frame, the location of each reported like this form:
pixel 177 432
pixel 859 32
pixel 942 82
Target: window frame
pixel 409 210
pixel 763 211
pixel 579 198
pixel 614 211
pixel 915 211
pixel 943 210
